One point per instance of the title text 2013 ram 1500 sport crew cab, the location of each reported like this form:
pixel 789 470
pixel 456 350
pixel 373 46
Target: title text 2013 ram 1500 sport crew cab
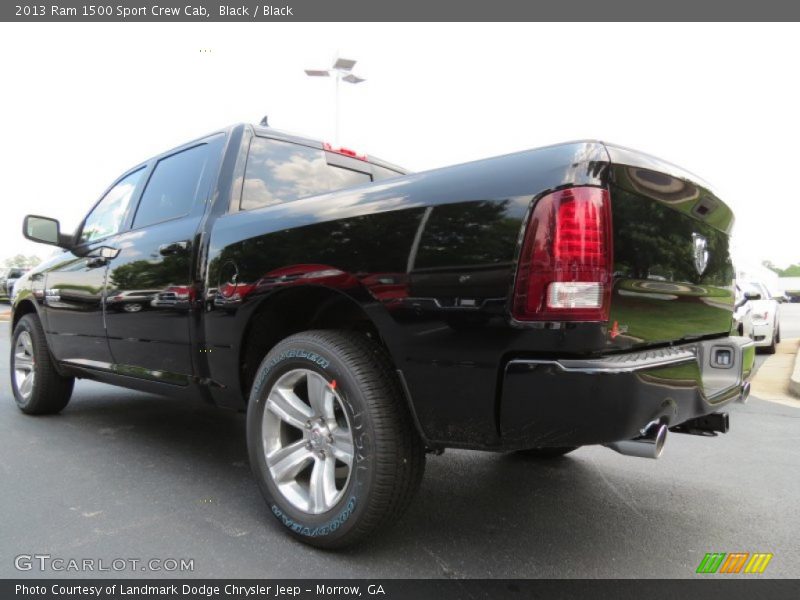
pixel 571 295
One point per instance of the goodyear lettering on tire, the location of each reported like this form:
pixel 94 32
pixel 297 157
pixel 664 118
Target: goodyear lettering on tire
pixel 321 530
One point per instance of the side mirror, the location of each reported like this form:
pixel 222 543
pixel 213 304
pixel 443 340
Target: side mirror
pixel 45 231
pixel 745 298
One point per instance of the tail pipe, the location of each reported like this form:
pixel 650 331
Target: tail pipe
pixel 745 392
pixel 648 445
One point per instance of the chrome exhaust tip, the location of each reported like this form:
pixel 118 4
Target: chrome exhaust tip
pixel 648 445
pixel 745 393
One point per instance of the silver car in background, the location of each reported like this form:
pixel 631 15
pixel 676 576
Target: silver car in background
pixel 8 277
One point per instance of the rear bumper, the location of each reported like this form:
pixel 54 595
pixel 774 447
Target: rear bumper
pixel 561 402
pixel 762 334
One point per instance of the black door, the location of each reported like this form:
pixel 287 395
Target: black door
pixel 75 284
pixel 150 284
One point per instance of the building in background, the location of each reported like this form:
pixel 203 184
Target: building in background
pixel 753 271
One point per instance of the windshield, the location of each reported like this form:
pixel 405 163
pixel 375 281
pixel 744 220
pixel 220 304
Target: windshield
pixel 756 287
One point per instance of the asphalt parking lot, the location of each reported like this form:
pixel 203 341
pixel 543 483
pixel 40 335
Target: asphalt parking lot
pixel 121 474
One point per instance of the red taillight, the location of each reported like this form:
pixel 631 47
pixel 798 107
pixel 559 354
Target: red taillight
pixel 565 268
pixel 343 151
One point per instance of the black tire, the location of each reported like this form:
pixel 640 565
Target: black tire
pixel 778 335
pixel 772 347
pixel 546 452
pixel 50 392
pixel 388 453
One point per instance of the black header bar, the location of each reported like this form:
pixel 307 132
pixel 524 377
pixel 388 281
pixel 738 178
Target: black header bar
pixel 709 588
pixel 172 11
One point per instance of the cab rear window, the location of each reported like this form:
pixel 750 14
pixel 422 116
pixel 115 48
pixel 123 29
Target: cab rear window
pixel 278 171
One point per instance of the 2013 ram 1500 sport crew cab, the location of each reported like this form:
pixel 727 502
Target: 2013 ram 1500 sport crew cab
pixel 537 302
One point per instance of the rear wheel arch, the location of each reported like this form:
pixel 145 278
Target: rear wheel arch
pixel 291 311
pixel 310 308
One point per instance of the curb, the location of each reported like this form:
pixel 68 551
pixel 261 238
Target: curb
pixel 774 379
pixel 794 380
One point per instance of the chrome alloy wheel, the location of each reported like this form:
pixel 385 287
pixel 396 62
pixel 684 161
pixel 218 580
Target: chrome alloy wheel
pixel 308 441
pixel 24 365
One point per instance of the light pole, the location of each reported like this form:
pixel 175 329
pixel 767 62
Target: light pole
pixel 342 70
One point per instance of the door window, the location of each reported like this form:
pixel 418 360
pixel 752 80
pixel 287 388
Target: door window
pixel 178 184
pixel 107 216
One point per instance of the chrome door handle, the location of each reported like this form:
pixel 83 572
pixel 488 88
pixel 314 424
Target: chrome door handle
pixel 100 257
pixel 96 261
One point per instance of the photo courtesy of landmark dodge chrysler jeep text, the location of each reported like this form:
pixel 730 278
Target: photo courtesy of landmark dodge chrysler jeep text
pixel 536 302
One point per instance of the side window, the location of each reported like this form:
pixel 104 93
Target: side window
pixel 278 172
pixel 178 183
pixel 106 218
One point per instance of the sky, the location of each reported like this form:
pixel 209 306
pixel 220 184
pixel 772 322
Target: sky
pixel 81 103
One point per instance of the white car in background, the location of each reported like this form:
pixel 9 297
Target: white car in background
pixel 758 315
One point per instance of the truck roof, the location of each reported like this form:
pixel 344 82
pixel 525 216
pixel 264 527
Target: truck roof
pixel 269 132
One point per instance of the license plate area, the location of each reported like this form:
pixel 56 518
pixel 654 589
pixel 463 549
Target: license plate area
pixel 724 365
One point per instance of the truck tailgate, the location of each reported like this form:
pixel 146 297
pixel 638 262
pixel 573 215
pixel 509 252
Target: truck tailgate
pixel 673 276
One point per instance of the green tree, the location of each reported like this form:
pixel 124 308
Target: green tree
pixel 20 260
pixel 146 274
pixel 790 271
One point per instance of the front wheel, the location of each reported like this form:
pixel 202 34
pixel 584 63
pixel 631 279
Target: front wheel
pixel 330 438
pixel 38 388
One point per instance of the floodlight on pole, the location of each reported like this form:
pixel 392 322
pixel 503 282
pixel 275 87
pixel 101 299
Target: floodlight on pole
pixel 341 70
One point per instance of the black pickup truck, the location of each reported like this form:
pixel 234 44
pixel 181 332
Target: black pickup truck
pixel 576 294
